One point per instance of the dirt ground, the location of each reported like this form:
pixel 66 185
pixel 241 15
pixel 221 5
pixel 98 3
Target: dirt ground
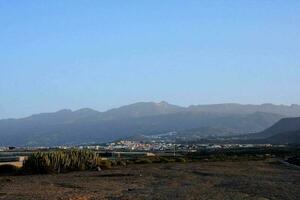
pixel 200 180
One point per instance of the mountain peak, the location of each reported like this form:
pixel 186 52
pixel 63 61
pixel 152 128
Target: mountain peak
pixel 85 110
pixel 163 103
pixel 63 111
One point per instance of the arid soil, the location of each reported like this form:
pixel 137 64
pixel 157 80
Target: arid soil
pixel 199 180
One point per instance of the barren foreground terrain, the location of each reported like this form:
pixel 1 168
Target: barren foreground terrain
pixel 199 180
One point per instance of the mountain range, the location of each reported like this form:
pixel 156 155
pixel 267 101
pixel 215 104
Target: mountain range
pixel 88 125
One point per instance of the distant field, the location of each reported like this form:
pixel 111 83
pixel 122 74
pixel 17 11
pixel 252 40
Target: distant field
pixel 197 180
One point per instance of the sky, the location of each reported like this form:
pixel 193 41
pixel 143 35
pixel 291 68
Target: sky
pixel 104 54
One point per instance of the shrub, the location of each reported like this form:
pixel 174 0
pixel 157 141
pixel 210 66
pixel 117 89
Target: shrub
pixel 143 161
pixel 62 161
pixel 105 164
pixel 128 162
pixel 164 160
pixel 121 163
pixel 113 162
pixel 8 169
pixel 161 159
pixel 182 160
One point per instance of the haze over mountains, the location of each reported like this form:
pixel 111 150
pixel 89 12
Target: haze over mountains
pixel 87 125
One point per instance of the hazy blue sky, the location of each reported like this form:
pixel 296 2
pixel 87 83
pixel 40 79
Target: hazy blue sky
pixel 102 54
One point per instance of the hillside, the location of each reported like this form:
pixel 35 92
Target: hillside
pixel 289 111
pixel 292 137
pixel 87 125
pixel 283 126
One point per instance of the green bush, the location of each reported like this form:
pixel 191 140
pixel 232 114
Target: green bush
pixel 62 161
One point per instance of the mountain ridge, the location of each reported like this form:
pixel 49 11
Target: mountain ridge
pixel 292 110
pixel 88 125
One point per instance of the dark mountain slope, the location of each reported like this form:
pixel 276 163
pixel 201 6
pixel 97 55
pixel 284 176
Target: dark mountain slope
pixel 284 125
pixel 292 137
